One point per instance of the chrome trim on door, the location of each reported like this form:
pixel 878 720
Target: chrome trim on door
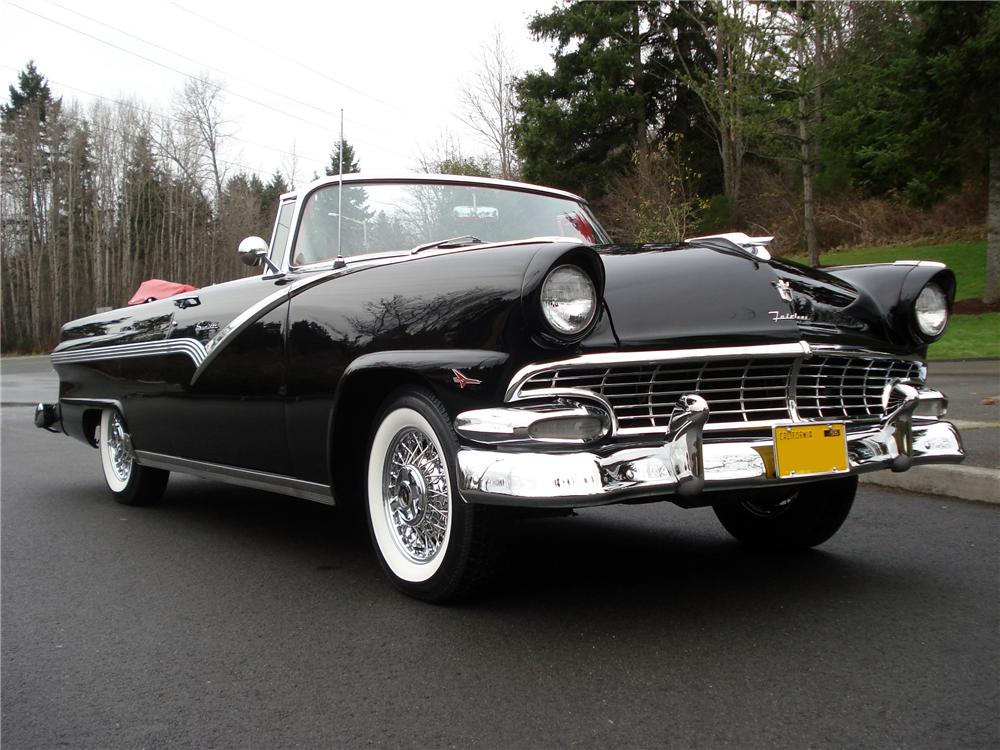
pixel 262 480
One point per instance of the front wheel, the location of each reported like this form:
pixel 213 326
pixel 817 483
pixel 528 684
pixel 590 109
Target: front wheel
pixel 798 517
pixel 430 543
pixel 129 483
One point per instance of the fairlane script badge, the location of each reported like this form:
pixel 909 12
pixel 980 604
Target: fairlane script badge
pixel 462 380
pixel 776 316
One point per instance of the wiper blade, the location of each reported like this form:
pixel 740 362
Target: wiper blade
pixel 465 239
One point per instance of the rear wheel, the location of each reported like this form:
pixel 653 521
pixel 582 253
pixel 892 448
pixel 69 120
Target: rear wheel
pixel 430 543
pixel 789 518
pixel 129 483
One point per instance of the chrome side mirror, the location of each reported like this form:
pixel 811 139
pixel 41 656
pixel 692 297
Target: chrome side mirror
pixel 252 250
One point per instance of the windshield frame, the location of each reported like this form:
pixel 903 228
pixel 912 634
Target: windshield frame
pixel 352 180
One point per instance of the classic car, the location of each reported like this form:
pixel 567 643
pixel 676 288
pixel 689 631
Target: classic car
pixel 432 347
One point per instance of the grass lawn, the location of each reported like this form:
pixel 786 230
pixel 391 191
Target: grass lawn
pixel 968 336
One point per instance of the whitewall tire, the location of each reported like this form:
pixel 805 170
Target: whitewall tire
pixel 128 482
pixel 430 543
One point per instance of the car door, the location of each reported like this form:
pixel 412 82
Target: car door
pixel 231 411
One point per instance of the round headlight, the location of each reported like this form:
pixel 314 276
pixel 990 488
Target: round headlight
pixel 569 300
pixel 931 309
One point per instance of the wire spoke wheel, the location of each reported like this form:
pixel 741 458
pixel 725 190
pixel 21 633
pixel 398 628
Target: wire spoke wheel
pixel 120 448
pixel 416 495
pixel 130 483
pixel 431 544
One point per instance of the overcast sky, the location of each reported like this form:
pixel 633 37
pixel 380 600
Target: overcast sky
pixel 396 68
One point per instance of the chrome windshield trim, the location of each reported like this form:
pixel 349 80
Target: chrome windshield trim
pixel 261 480
pixel 438 179
pixel 799 348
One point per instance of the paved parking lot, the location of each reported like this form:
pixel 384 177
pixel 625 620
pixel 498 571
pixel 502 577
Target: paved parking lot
pixel 232 618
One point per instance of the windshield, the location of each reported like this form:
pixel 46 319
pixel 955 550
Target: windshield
pixel 382 217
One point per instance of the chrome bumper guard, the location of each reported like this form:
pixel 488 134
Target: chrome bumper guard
pixel 684 464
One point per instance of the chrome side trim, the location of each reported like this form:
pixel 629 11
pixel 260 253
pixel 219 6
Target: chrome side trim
pixel 94 402
pixel 799 348
pixel 923 263
pixel 189 347
pixel 238 324
pixel 320 493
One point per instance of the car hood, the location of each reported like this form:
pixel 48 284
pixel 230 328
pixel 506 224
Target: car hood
pixel 714 293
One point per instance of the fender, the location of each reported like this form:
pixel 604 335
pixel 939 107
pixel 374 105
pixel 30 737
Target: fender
pixel 894 287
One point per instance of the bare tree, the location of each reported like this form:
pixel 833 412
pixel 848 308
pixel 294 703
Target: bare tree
pixel 489 104
pixel 290 166
pixel 445 156
pixel 742 37
pixel 199 111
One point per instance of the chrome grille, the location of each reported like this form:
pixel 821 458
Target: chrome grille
pixel 847 387
pixel 643 396
pixel 739 391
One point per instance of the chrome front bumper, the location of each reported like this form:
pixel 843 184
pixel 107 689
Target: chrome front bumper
pixel 684 464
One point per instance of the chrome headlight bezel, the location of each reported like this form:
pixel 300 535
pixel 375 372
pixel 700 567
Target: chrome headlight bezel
pixel 568 301
pixel 931 311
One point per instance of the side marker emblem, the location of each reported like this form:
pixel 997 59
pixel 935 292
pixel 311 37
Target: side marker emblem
pixel 462 380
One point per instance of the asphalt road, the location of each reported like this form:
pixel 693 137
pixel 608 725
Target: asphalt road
pixel 226 618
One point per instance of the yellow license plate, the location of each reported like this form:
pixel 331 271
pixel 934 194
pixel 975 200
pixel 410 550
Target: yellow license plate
pixel 805 450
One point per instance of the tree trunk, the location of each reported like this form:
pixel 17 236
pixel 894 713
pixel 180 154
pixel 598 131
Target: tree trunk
pixel 641 139
pixel 808 207
pixel 992 291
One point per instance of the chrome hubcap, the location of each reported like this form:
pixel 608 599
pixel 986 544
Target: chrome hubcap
pixel 415 491
pixel 119 448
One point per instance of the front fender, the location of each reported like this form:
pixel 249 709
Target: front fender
pixel 894 288
pixel 459 377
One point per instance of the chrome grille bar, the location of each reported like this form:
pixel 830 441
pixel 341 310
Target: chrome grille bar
pixel 742 391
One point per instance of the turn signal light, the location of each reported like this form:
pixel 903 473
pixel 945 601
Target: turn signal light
pixel 569 428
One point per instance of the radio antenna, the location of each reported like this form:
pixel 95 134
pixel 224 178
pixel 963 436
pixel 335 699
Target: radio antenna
pixel 340 194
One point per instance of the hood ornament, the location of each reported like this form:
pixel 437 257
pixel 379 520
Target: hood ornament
pixel 784 289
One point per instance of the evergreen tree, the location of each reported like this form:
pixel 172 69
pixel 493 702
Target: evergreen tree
pixel 351 163
pixel 615 88
pixel 273 190
pixel 354 226
pixel 32 95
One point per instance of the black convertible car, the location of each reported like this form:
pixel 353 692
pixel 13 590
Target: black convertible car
pixel 437 346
